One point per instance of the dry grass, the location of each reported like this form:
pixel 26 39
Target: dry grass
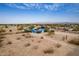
pixel 50 33
pixel 9 42
pixel 42 37
pixel 35 47
pixel 39 41
pixel 32 40
pixel 58 45
pixel 23 34
pixel 28 36
pixel 1 40
pixel 63 38
pixel 10 30
pixel 28 44
pixel 74 41
pixel 19 27
pixel 2 30
pixel 1 37
pixel 49 51
pixel 1 44
pixel 18 38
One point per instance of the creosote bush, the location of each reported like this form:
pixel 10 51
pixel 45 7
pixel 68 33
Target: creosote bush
pixel 1 44
pixel 6 26
pixel 28 36
pixel 27 44
pixel 9 42
pixel 18 38
pixel 10 30
pixel 39 41
pixel 74 41
pixel 32 40
pixel 2 29
pixel 1 37
pixel 27 30
pixel 51 32
pixel 42 37
pixel 23 34
pixel 49 51
pixel 19 27
pixel 58 45
pixel 35 47
pixel 1 40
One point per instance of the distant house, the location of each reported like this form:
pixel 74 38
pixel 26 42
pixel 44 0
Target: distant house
pixel 38 30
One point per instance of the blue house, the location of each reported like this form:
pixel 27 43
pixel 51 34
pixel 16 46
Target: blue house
pixel 38 30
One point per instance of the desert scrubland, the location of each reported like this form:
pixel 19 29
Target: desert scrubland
pixel 18 40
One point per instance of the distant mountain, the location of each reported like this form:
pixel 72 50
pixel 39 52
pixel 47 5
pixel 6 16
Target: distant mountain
pixel 56 23
pixel 47 23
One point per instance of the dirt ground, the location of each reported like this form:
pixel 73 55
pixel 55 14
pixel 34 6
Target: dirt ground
pixel 38 44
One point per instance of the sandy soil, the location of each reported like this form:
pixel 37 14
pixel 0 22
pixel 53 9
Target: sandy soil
pixel 38 44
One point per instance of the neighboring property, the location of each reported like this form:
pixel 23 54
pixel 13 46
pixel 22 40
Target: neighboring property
pixel 38 29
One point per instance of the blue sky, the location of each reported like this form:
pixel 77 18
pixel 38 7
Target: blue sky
pixel 38 12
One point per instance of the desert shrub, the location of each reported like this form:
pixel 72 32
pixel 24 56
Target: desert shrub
pixel 42 37
pixel 28 36
pixel 65 38
pixel 32 40
pixel 74 41
pixel 35 47
pixel 45 30
pixel 18 38
pixel 51 32
pixel 25 30
pixel 39 41
pixel 1 40
pixel 19 27
pixel 6 26
pixel 1 44
pixel 2 29
pixel 31 27
pixel 10 30
pixel 1 37
pixel 28 44
pixel 9 42
pixel 49 51
pixel 58 45
pixel 76 28
pixel 23 34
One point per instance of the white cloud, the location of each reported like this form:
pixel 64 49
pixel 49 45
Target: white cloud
pixel 38 6
pixel 29 5
pixel 16 6
pixel 52 7
pixel 20 7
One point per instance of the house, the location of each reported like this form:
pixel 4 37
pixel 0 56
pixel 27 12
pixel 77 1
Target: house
pixel 38 29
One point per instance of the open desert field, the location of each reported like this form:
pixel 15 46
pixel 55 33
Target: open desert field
pixel 14 42
pixel 39 29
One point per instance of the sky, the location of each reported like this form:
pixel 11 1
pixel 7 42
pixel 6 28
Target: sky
pixel 23 13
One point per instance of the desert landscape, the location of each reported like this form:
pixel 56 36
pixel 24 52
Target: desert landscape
pixel 56 40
